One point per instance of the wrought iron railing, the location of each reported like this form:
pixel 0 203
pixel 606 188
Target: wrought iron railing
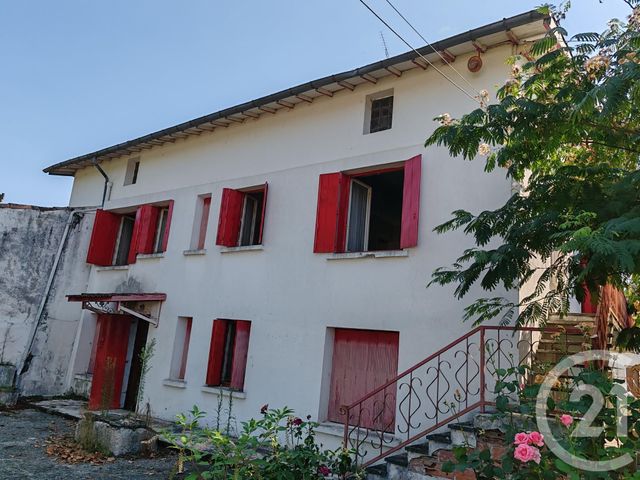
pixel 447 385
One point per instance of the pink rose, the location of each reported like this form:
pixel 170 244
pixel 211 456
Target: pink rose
pixel 536 455
pixel 324 470
pixel 536 438
pixel 521 438
pixel 526 453
pixel 566 420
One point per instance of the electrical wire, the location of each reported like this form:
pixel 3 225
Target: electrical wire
pixel 432 47
pixel 419 54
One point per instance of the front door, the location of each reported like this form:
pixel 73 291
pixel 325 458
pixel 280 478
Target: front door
pixel 110 361
pixel 362 361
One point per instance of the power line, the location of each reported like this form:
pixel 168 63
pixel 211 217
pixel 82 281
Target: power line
pixel 418 53
pixel 429 44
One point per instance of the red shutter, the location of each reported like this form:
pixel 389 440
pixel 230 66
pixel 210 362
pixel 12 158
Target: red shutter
pixel 264 209
pixel 111 357
pixel 331 215
pixel 216 352
pixel 411 202
pixel 204 222
pixel 185 348
pixel 229 221
pixel 165 238
pixel 103 238
pixel 364 360
pixel 144 231
pixel 240 351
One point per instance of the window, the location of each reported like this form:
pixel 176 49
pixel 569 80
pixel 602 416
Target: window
pixel 158 242
pixel 242 214
pixel 369 209
pixel 117 238
pixel 180 348
pixel 124 240
pixel 228 353
pixel 379 112
pixel 201 222
pixel 131 174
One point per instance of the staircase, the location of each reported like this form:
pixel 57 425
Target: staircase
pixel 441 401
pixel 425 460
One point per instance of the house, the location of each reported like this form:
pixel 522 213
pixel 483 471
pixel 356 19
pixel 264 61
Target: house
pixel 278 251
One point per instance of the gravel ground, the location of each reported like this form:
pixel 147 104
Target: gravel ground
pixel 22 452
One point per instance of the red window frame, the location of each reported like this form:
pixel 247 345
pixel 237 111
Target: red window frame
pixel 333 206
pixel 238 353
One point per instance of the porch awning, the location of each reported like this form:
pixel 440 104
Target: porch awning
pixel 145 306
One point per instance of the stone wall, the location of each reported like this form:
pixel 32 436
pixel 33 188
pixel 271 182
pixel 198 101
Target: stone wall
pixel 30 238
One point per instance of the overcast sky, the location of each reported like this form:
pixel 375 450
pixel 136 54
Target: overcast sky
pixel 80 75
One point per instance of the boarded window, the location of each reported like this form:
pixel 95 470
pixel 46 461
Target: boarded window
pixel 369 210
pixel 364 360
pixel 228 353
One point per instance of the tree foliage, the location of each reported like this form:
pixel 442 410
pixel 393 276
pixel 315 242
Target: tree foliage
pixel 566 128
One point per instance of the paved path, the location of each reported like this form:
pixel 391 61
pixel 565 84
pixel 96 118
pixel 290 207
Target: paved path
pixel 23 456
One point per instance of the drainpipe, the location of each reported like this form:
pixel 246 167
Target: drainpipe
pixel 107 183
pixel 27 357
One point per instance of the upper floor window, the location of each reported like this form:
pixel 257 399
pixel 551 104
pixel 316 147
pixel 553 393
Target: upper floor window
pixel 369 209
pixel 131 174
pixel 117 238
pixel 379 112
pixel 242 214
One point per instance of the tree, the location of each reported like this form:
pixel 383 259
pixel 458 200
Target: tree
pixel 566 128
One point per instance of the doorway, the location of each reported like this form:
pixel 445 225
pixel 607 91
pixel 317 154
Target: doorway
pixel 118 366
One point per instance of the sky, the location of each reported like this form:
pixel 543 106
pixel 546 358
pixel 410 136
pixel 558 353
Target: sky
pixel 80 75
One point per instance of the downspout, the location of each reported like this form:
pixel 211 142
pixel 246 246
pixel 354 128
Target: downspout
pixel 107 182
pixel 26 357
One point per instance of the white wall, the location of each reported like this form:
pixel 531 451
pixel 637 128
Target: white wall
pixel 289 293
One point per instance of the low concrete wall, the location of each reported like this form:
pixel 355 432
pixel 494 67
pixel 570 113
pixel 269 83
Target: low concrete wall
pixel 30 238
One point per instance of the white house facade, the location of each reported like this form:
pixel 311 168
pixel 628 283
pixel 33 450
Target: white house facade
pixel 279 251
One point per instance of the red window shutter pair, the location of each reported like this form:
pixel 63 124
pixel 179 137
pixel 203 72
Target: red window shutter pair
pixel 231 216
pixel 239 355
pixel 106 226
pixel 333 207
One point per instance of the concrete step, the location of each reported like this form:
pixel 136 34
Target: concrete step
pixel 439 441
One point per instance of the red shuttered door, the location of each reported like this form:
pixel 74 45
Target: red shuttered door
pixel 230 216
pixel 411 202
pixel 111 356
pixel 362 361
pixel 331 214
pixel 103 238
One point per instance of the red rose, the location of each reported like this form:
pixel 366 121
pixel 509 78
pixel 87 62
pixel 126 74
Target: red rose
pixel 264 408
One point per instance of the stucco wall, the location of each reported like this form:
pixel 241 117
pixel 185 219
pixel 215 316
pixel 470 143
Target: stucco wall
pixel 291 295
pixel 29 241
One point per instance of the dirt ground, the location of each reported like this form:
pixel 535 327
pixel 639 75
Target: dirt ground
pixel 25 436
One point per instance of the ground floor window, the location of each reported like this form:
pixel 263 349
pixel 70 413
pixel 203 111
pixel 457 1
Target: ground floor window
pixel 228 353
pixel 362 361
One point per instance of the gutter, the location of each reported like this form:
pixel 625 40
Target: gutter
pixel 107 182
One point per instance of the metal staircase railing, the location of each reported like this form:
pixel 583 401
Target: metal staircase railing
pixel 448 384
